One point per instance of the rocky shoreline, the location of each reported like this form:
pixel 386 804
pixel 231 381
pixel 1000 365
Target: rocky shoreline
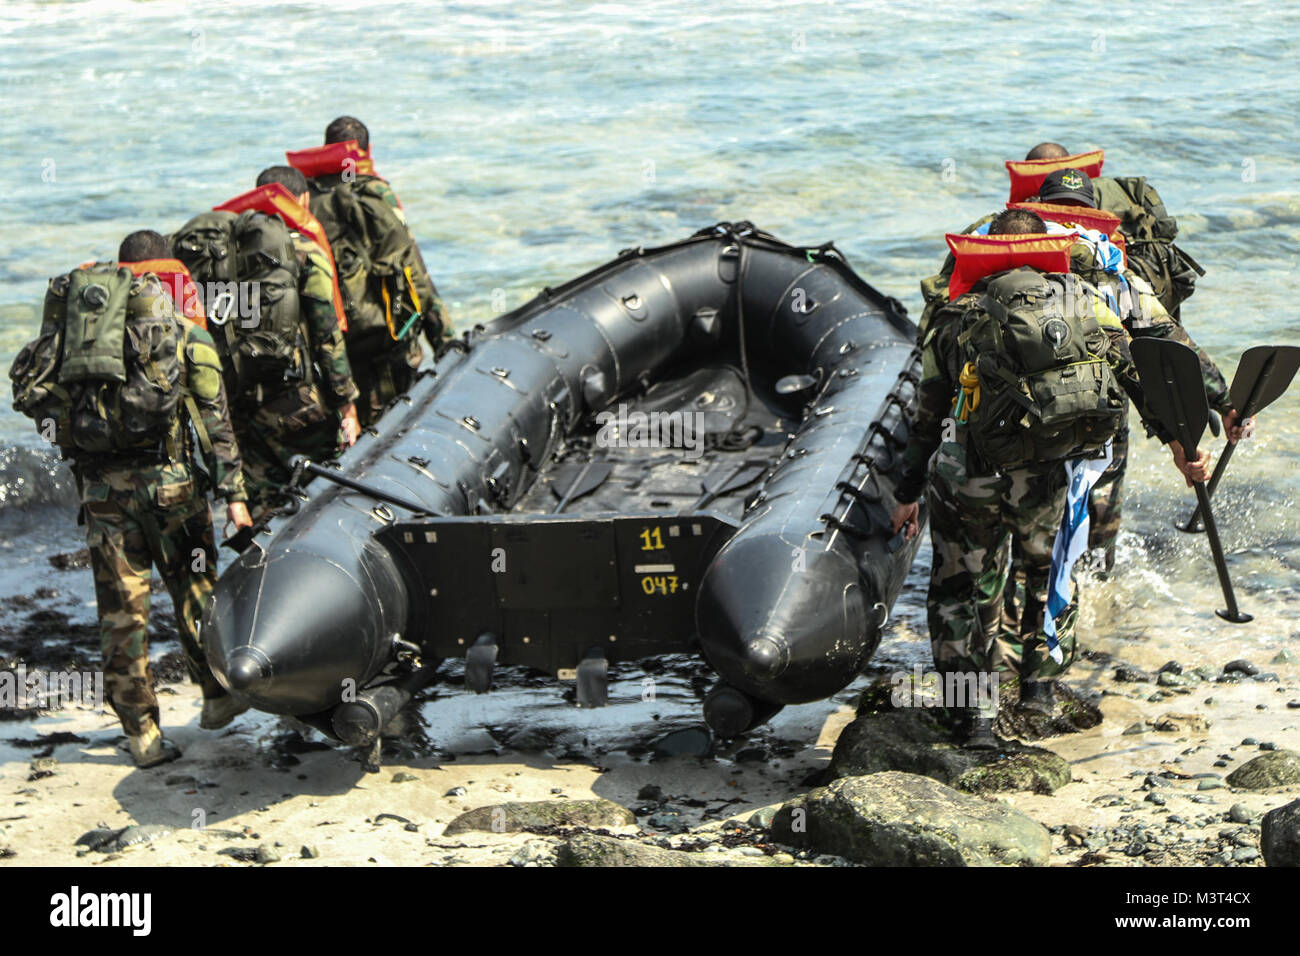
pixel 1149 762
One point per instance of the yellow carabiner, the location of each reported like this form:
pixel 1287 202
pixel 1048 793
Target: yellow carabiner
pixel 969 399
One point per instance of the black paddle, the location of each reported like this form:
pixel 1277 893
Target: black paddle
pixel 1264 374
pixel 745 474
pixel 574 481
pixel 1171 380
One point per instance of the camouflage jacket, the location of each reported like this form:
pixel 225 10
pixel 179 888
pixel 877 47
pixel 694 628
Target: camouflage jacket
pixel 434 320
pixel 1143 315
pixel 938 390
pixel 320 323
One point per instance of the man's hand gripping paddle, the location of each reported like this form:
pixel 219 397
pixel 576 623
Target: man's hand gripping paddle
pixel 1175 393
pixel 1264 374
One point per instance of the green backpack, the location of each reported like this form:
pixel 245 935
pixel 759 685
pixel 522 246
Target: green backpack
pixel 1045 390
pixel 248 270
pixel 379 266
pixel 104 375
pixel 1149 232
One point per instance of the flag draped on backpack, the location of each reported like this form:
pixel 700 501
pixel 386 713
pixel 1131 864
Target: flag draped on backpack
pixel 1071 541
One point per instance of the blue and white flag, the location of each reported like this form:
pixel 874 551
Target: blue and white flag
pixel 1071 541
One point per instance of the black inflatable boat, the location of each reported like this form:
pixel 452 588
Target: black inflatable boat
pixel 692 447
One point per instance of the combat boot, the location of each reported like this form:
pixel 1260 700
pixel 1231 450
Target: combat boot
pixel 220 711
pixel 150 748
pixel 1037 697
pixel 979 733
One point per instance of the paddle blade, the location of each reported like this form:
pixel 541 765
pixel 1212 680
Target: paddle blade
pixel 574 481
pixel 1264 374
pixel 1171 380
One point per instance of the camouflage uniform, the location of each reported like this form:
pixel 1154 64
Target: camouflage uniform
pixel 1143 315
pixel 976 513
pixel 381 378
pixel 148 508
pixel 301 419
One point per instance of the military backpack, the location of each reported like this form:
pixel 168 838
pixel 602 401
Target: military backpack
pixel 378 263
pixel 1036 386
pixel 248 270
pixel 104 376
pixel 1149 232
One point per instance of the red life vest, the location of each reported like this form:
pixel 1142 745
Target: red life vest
pixel 177 283
pixel 1096 219
pixel 330 159
pixel 980 256
pixel 275 200
pixel 1027 175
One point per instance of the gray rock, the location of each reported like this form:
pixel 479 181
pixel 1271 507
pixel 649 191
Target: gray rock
pixel 1170 679
pixel 652 792
pixel 1240 666
pixel 309 853
pixel 513 817
pixel 1279 837
pixel 1245 854
pixel 590 849
pixel 1134 729
pixel 912 741
pixel 762 817
pixel 135 836
pixel 266 854
pixel 1159 799
pixel 1240 813
pixel 1283 657
pixel 99 839
pixel 900 819
pixel 1210 785
pixel 403 776
pixel 455 792
pixel 670 819
pixel 1128 674
pixel 534 853
pixel 1280 768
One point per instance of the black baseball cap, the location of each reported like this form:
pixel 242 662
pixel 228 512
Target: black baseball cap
pixel 1067 185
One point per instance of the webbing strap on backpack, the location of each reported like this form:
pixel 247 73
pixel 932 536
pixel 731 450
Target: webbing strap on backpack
pixel 205 441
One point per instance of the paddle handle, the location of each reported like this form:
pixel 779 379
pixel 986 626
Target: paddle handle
pixel 1194 522
pixel 1256 389
pixel 1231 613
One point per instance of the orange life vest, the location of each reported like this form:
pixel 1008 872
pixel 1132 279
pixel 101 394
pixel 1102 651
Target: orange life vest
pixel 1096 219
pixel 980 256
pixel 177 283
pixel 330 159
pixel 275 200
pixel 1027 175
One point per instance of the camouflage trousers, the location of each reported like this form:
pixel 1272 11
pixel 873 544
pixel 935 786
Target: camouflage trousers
pixel 151 516
pixel 295 422
pixel 382 378
pixel 973 521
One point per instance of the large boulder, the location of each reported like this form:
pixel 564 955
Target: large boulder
pixel 1279 839
pixel 1278 768
pixel 915 741
pixel 513 817
pixel 591 849
pixel 901 819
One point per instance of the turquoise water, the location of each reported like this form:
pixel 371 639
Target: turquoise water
pixel 530 141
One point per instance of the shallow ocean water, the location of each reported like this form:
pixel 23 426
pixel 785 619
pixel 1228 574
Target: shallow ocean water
pixel 530 142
